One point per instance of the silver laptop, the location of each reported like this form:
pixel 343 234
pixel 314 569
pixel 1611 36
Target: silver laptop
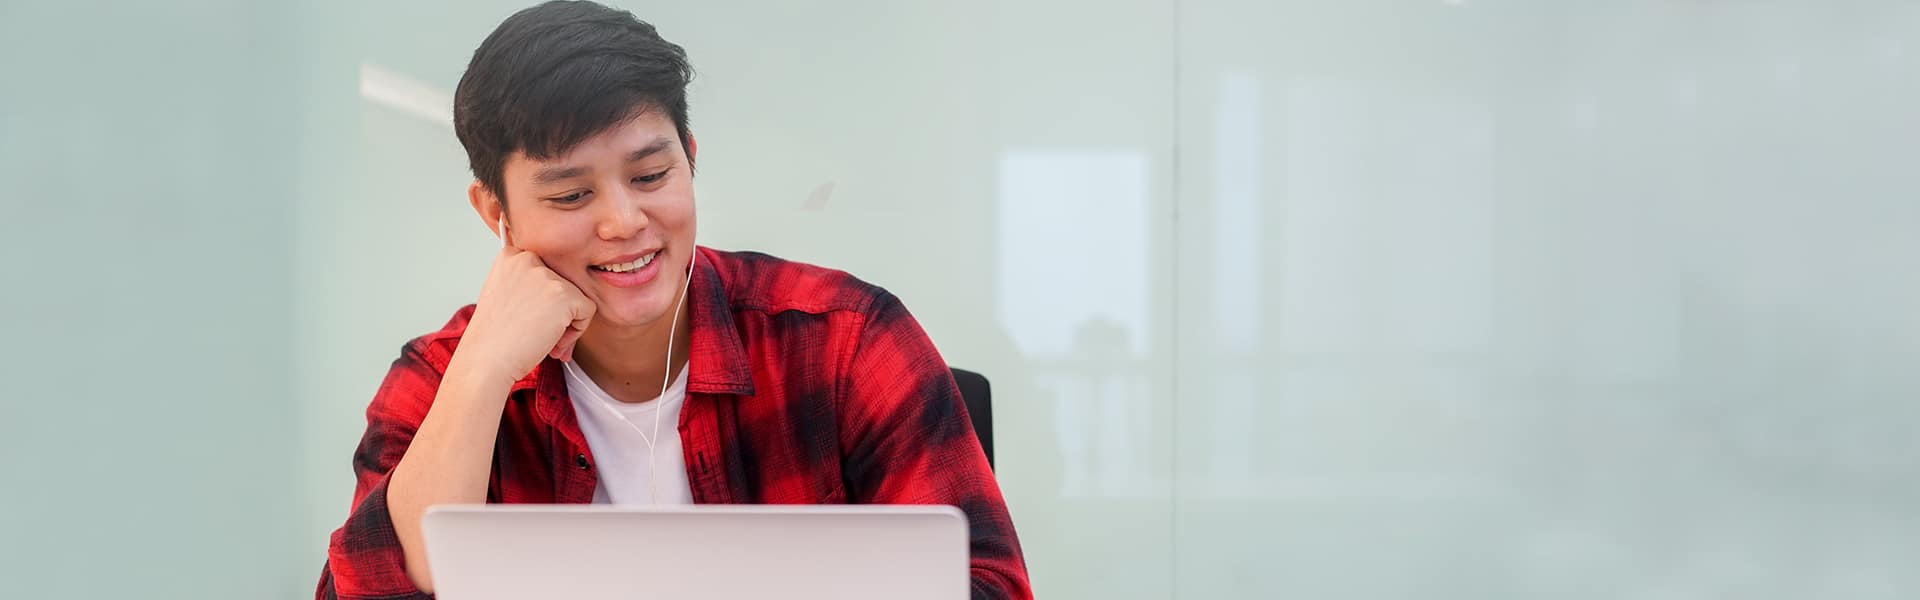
pixel 519 551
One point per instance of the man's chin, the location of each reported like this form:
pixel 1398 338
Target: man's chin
pixel 629 315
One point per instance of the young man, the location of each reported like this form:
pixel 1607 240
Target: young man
pixel 611 360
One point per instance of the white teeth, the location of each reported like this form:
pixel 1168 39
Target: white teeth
pixel 624 267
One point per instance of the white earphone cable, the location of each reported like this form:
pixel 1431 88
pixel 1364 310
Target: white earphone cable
pixel 666 379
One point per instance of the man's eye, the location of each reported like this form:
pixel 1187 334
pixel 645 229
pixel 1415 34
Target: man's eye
pixel 569 198
pixel 652 178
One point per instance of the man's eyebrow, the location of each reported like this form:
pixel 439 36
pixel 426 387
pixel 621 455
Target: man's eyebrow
pixel 651 149
pixel 553 174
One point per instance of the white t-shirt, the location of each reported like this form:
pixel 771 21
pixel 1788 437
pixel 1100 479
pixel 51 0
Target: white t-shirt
pixel 621 451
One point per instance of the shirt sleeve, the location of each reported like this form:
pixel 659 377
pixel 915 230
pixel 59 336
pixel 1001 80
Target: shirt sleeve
pixel 364 558
pixel 907 440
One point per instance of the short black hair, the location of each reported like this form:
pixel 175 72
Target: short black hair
pixel 553 75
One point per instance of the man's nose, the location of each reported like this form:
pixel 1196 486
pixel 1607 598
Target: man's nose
pixel 624 218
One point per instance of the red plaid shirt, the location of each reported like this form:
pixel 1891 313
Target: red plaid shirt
pixel 805 386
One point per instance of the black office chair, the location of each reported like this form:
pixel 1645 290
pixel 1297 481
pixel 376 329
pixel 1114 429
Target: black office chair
pixel 979 399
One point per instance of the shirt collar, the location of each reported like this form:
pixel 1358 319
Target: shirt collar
pixel 718 358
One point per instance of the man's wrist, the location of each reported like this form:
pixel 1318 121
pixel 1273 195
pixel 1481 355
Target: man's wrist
pixel 476 378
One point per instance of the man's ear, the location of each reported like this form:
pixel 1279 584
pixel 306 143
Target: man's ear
pixel 693 147
pixel 486 205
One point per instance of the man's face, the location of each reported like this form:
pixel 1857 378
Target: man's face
pixel 614 216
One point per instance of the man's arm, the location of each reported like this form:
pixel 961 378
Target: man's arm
pixel 416 453
pixel 448 461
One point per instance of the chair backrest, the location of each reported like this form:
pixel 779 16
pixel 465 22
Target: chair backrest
pixel 979 398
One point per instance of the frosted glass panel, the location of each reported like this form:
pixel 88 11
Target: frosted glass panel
pixel 1523 300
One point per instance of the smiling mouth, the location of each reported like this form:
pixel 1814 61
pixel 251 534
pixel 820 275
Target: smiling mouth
pixel 628 266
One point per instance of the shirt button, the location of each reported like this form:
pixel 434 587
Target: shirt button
pixel 580 460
